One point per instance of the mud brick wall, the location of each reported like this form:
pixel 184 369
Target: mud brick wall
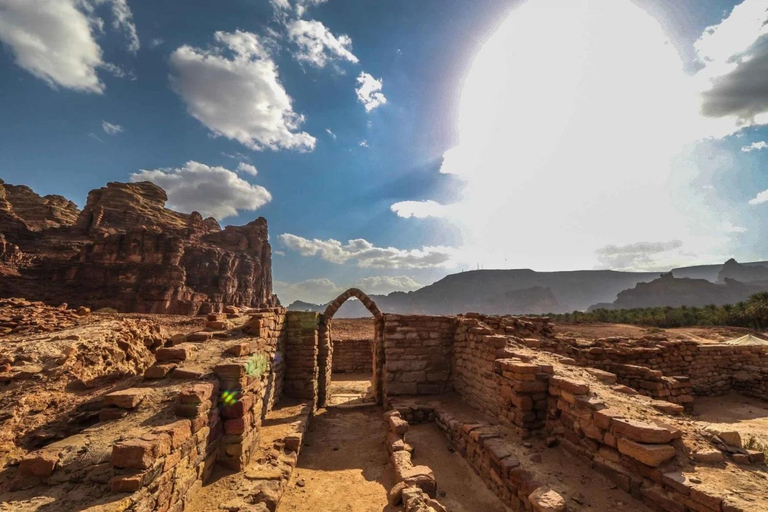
pixel 352 356
pixel 523 395
pixel 166 466
pixel 418 354
pixel 301 355
pixel 475 350
pixel 653 383
pixel 712 368
pixel 268 327
pixel 485 449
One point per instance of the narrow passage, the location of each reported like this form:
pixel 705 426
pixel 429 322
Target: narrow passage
pixel 343 465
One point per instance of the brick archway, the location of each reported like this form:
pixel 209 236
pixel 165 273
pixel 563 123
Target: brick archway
pixel 358 294
pixel 325 353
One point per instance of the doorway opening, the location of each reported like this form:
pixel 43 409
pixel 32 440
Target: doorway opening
pixel 351 355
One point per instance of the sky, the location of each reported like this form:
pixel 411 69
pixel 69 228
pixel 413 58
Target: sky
pixel 390 143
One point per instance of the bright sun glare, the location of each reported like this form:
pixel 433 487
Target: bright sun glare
pixel 570 117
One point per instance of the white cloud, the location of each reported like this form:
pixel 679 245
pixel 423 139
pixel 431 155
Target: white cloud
pixel 755 146
pixel 156 42
pixel 212 191
pixel 299 6
pixel 735 57
pixel 387 284
pixel 122 20
pixel 317 45
pixel 369 91
pixel 366 255
pixel 637 256
pixel 111 129
pixel 247 169
pixel 760 198
pixel 55 39
pixel 729 227
pixel 419 209
pixel 364 144
pixel 238 96
pixel 329 132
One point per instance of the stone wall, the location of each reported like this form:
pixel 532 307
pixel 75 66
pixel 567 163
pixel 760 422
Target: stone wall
pixel 418 354
pixel 302 355
pixel 711 368
pixel 352 356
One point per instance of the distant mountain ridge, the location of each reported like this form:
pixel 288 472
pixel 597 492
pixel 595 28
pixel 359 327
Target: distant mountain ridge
pixel 525 291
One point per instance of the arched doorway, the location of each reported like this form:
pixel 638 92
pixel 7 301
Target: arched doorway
pixel 325 355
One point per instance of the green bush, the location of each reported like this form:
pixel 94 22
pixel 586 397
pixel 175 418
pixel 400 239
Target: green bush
pixel 256 365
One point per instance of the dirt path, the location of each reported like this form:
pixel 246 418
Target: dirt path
pixel 343 465
pixel 350 388
pixel 461 490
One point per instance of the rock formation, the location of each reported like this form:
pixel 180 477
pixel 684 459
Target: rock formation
pixel 126 251
pixel 732 269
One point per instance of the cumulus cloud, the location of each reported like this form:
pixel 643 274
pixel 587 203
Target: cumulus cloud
pixel 760 198
pixel 212 191
pixel 233 88
pixel 329 132
pixel 111 129
pixel 735 57
pixel 366 255
pixel 755 146
pixel 247 169
pixel 387 284
pixel 369 91
pixel 317 45
pixel 637 256
pixel 55 39
pixel 419 209
pixel 364 144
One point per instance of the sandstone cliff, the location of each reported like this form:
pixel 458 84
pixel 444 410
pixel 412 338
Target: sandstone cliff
pixel 125 250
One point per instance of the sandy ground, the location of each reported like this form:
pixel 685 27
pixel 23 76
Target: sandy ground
pixel 460 489
pixel 747 416
pixel 352 328
pixel 343 465
pixel 350 388
pixel 701 334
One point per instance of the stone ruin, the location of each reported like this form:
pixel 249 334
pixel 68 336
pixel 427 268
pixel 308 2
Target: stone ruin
pixel 507 393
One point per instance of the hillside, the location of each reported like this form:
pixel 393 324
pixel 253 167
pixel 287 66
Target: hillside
pixel 526 291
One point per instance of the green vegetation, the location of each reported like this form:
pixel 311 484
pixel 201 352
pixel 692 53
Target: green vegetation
pixel 753 443
pixel 256 365
pixel 752 313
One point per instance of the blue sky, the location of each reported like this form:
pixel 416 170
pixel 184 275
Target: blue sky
pixel 356 191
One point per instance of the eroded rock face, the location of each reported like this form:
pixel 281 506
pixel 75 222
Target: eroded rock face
pixel 126 251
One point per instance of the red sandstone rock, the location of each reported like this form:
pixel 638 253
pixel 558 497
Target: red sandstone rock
pixel 653 455
pixel 126 398
pixel 544 499
pixel 125 250
pixel 40 463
